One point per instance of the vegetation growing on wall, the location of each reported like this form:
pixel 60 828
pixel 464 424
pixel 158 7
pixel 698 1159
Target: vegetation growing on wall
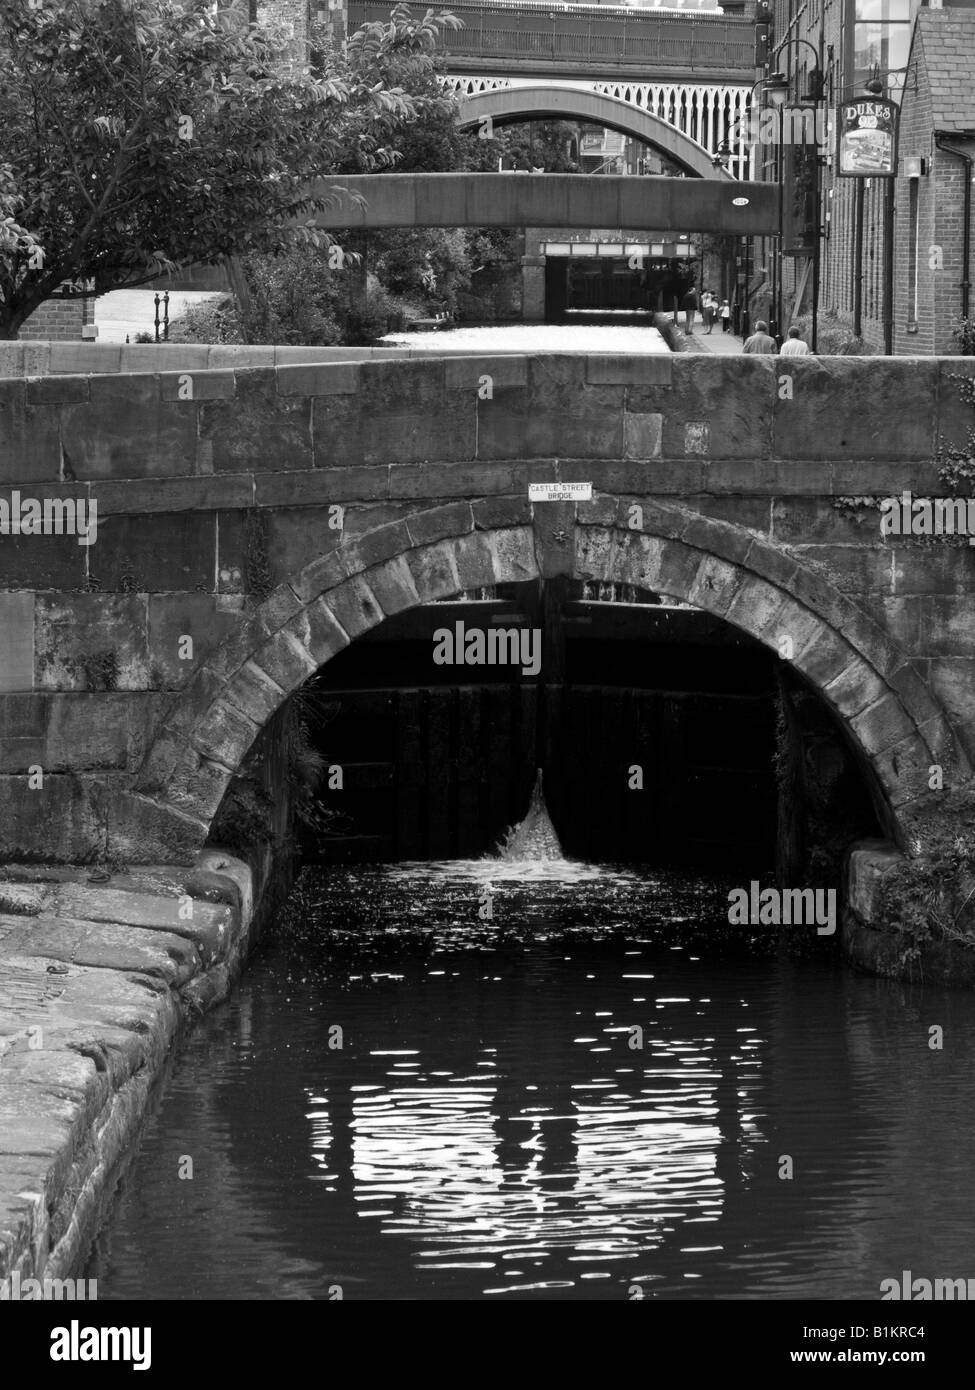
pixel 277 785
pixel 931 897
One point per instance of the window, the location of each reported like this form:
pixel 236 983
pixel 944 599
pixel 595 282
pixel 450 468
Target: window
pixel 881 37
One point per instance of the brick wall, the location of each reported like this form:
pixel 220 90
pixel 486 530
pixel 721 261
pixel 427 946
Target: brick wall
pixel 59 320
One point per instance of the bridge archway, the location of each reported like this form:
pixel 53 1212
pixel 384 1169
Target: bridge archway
pixel 896 726
pixel 558 101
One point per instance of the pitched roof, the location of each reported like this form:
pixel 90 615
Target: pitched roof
pixel 947 39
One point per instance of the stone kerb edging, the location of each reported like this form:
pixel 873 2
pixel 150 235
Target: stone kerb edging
pixel 95 985
pixel 898 725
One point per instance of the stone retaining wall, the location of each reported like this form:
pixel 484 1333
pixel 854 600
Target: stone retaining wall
pixel 869 941
pixel 96 983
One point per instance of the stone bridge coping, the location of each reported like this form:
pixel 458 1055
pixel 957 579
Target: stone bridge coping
pixel 899 727
pixel 294 374
pixel 658 423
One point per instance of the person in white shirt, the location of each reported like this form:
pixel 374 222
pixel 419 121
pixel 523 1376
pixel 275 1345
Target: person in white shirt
pixel 794 346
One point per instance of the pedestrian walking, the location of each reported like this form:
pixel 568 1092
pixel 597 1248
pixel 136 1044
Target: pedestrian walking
pixel 691 303
pixel 707 310
pixel 760 340
pixel 725 315
pixel 795 345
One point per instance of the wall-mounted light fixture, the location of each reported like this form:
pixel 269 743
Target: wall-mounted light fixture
pixel 914 167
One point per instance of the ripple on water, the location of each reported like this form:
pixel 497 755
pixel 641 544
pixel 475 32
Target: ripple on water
pixel 590 1090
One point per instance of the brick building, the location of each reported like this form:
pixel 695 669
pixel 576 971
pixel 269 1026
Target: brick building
pixel 61 321
pixel 932 254
pixel 924 55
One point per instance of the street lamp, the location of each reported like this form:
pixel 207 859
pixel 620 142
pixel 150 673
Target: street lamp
pixel 776 93
pixel 777 90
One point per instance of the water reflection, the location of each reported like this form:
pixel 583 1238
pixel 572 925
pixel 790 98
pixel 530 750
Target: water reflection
pixel 589 1093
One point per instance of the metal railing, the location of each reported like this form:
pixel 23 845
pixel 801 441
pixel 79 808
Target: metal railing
pixel 599 35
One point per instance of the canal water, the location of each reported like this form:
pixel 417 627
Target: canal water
pixel 483 1081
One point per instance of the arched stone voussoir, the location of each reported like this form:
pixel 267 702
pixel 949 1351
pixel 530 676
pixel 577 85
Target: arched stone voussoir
pixel 756 606
pixel 207 734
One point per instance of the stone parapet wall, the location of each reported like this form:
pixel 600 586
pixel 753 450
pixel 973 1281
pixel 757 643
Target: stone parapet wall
pixel 426 465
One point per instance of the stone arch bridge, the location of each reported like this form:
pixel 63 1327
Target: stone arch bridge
pixel 738 476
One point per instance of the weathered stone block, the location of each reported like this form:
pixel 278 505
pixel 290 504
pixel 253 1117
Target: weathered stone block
pixel 317 630
pixel 644 370
pixel 726 541
pixel 474 558
pixel 734 395
pixel 642 435
pixel 373 547
pixel 554 528
pixel 635 558
pixel 883 724
pixel 320 379
pixel 867 866
pixel 224 735
pixel 160 554
pixel 855 689
pixel 57 390
pixel 455 519
pixel 258 430
pixel 30 445
pixel 756 606
pixel 715 585
pixel 772 564
pixel 355 606
pixel 903 769
pixel 946 749
pixel 350 430
pixel 392 585
pixel 602 510
pixel 322 574
pixel 127 431
pixel 840 410
pixel 100 731
pixel 197 384
pixel 552 420
pixel 252 691
pixel 797 624
pixel 434 571
pixel 42 562
pixel 494 513
pixel 174 617
pixel 515 560
pixel 467 373
pixel 91 641
pixel 285 660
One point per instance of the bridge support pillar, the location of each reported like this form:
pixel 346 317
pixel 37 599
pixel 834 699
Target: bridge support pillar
pixel 533 288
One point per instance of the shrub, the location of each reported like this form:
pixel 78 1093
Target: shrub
pixel 963 333
pixel 834 338
pixel 212 321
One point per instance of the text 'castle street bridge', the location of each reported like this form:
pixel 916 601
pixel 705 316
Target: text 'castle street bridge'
pixel 140 669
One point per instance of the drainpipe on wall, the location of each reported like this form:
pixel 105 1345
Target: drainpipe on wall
pixel 967 161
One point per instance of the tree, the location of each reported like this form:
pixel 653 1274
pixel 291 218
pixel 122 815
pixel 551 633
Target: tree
pixel 539 145
pixel 141 135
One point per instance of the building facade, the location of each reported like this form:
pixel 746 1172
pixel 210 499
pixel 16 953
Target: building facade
pixel 894 254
